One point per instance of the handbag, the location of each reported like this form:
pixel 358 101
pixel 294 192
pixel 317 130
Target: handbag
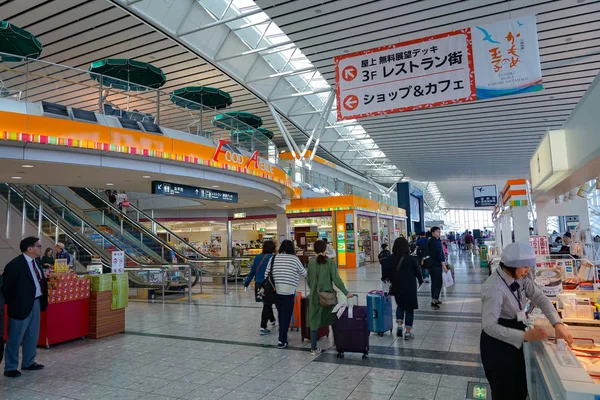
pixel 326 299
pixel 270 291
pixel 259 285
pixel 391 288
pixel 125 203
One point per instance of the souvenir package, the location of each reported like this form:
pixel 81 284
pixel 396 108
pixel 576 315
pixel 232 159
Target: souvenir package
pixel 65 287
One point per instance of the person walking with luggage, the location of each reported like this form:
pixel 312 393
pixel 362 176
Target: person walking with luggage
pixel 322 275
pixel 286 270
pixel 383 254
pixel 504 296
pixel 437 266
pixel 404 273
pixel 257 272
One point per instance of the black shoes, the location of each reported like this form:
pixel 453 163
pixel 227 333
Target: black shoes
pixel 435 306
pixel 12 374
pixel 33 367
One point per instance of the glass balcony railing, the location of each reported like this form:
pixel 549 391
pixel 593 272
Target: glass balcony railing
pixel 333 186
pixel 36 81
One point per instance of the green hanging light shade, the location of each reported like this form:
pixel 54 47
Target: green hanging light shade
pixel 249 133
pixel 237 120
pixel 192 96
pixel 125 74
pixel 18 43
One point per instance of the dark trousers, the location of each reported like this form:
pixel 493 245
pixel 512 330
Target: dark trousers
pixel 504 365
pixel 436 282
pixel 285 309
pixel 1 347
pixel 267 315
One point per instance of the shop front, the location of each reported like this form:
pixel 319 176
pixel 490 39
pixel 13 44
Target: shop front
pixel 354 226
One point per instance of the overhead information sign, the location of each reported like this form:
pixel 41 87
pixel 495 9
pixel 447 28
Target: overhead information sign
pixel 485 196
pixel 465 65
pixel 175 189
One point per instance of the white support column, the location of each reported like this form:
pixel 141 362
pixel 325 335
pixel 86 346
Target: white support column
pixel 520 223
pixel 229 242
pixel 283 228
pixel 506 229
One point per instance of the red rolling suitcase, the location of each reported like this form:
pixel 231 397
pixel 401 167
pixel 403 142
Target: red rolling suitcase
pixel 296 313
pixel 352 334
pixel 305 330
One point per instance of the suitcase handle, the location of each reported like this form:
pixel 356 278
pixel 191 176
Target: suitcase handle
pixel 375 314
pixel 354 295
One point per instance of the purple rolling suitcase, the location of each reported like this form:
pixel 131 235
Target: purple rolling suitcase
pixel 352 334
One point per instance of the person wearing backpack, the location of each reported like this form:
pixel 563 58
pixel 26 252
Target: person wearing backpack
pixel 423 255
pixel 257 272
pixel 437 266
pixel 383 254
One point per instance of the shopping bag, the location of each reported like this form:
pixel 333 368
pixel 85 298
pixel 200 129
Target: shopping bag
pixel 448 280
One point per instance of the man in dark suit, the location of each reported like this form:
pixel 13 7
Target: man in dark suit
pixel 26 294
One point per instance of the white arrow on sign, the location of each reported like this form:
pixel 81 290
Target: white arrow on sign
pixel 350 103
pixel 349 74
pixel 160 187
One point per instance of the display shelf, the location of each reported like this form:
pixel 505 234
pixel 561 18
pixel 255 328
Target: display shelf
pixel 104 321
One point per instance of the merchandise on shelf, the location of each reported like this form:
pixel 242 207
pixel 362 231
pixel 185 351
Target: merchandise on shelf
pixel 65 287
pixel 120 291
pixel 100 283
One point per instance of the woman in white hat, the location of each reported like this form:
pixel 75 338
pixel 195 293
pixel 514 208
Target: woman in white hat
pixel 504 296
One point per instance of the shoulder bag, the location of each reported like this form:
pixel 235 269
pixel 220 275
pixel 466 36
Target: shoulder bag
pixel 269 285
pixel 258 296
pixel 391 289
pixel 326 299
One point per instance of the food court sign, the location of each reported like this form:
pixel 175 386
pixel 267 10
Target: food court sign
pixel 225 153
pixel 480 62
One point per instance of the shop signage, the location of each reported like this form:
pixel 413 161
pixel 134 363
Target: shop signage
pixel 312 234
pixel 350 237
pixel 175 189
pixel 118 262
pixel 231 155
pixel 465 65
pixel 239 215
pixel 485 196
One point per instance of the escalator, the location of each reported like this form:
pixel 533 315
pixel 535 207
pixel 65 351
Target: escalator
pixel 112 230
pixel 188 253
pixel 54 227
pixel 78 234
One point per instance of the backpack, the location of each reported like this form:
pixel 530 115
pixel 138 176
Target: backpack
pixel 383 255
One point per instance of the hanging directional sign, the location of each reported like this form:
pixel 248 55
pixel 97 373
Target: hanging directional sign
pixel 175 189
pixel 485 196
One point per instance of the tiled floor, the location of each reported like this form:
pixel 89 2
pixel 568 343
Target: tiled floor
pixel 211 350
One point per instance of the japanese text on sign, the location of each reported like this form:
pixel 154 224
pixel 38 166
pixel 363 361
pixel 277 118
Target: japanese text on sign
pixel 425 73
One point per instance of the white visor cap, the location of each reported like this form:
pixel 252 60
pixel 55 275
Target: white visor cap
pixel 517 255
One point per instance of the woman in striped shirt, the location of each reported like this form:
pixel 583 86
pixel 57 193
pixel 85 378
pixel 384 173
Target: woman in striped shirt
pixel 287 268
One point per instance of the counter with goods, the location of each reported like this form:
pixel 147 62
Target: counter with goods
pixel 109 298
pixel 68 310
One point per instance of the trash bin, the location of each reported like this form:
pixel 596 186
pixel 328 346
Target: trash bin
pixel 483 256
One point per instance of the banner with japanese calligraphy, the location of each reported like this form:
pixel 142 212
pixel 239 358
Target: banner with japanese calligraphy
pixel 507 58
pixel 423 73
pixel 474 63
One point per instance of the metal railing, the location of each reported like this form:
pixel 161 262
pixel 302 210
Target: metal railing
pixel 34 81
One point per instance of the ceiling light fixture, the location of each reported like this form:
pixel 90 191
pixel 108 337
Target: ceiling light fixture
pixel 27 166
pixel 146 176
pixel 215 186
pixel 265 200
pixel 318 10
pixel 110 184
pixel 16 177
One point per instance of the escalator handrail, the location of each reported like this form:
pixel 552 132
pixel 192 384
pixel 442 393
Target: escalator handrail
pixel 150 233
pixel 88 224
pixel 66 227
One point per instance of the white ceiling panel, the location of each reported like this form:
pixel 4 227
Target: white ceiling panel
pixel 457 146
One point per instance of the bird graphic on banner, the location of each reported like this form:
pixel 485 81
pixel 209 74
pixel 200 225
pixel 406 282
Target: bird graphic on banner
pixel 520 24
pixel 487 37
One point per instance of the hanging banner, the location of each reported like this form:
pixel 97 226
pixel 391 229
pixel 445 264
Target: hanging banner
pixel 506 58
pixel 474 63
pixel 423 73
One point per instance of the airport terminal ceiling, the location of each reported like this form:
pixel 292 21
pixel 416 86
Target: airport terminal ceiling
pixel 483 142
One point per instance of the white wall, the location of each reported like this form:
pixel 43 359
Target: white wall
pixel 577 206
